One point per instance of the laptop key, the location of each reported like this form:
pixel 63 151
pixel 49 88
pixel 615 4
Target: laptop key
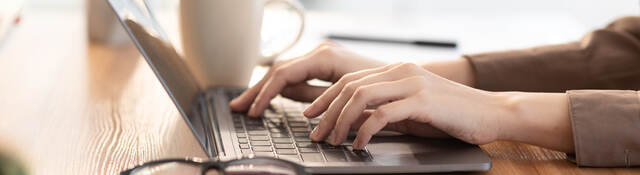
pixel 305 129
pixel 242 140
pixel 241 135
pixel 244 146
pixel 262 149
pixel 256 138
pixel 335 156
pixel 264 154
pixel 255 128
pixel 301 134
pixel 298 124
pixel 260 143
pixel 294 158
pixel 303 139
pixel 274 125
pixel 278 130
pixel 284 146
pixel 328 147
pixel 282 140
pixel 286 151
pixel 275 120
pixel 306 145
pixel 312 157
pixel 279 135
pixel 246 151
pixel 297 119
pixel 261 133
pixel 271 114
pixel 308 150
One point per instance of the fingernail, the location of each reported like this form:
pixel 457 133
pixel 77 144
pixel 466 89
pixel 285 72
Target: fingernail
pixel 307 112
pixel 356 144
pixel 314 133
pixel 332 138
pixel 253 110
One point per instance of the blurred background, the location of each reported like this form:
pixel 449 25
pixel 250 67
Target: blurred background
pixel 476 26
pixel 590 12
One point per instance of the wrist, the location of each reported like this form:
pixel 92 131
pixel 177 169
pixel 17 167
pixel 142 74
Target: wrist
pixel 508 104
pixel 540 119
pixel 457 70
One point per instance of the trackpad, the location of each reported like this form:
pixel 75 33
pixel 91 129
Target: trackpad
pixel 399 150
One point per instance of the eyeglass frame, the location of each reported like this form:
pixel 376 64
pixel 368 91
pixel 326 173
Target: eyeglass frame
pixel 217 164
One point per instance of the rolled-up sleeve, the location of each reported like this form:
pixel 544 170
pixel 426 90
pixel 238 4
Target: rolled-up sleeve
pixel 606 122
pixel 607 58
pixel 606 127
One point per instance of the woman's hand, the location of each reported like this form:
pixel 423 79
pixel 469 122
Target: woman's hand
pixel 409 99
pixel 327 62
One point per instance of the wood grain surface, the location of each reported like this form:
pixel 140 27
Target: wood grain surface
pixel 73 107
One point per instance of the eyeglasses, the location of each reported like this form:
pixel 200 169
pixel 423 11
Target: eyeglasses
pixel 243 166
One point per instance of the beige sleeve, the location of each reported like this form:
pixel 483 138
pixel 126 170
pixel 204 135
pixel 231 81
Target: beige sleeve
pixel 606 127
pixel 608 58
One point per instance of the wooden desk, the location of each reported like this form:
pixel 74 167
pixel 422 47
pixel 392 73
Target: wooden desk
pixel 71 107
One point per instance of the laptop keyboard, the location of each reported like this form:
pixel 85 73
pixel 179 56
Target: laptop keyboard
pixel 283 132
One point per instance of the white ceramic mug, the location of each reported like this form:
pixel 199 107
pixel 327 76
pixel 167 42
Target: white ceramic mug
pixel 221 38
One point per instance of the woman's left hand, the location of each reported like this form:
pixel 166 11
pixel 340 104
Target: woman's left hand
pixel 409 99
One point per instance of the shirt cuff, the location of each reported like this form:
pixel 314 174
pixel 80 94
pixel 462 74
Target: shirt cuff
pixel 606 127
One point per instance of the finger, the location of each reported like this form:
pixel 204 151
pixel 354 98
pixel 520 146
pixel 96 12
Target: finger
pixel 322 102
pixel 303 92
pixel 286 74
pixel 389 113
pixel 327 123
pixel 363 117
pixel 334 110
pixel 373 94
pixel 243 102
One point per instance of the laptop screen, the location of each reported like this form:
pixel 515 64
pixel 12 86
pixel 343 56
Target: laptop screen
pixel 158 51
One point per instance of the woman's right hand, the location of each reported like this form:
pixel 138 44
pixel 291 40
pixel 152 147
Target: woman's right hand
pixel 328 62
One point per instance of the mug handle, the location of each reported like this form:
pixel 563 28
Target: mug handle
pixel 269 59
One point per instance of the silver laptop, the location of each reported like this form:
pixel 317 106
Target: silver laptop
pixel 282 132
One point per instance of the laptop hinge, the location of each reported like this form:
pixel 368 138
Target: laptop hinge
pixel 216 146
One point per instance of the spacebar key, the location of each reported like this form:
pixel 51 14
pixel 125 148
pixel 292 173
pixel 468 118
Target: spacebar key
pixel 312 157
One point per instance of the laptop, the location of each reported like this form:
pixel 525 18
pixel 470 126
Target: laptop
pixel 282 132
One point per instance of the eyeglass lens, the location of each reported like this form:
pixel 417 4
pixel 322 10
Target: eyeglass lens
pixel 260 168
pixel 236 168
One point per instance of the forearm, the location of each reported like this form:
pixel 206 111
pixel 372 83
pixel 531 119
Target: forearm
pixel 458 70
pixel 540 119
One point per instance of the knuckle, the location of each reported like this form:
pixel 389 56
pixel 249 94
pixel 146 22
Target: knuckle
pixel 280 71
pixel 347 77
pixel 407 65
pixel 411 67
pixel 326 49
pixel 423 97
pixel 278 64
pixel 350 87
pixel 360 93
pixel 381 114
